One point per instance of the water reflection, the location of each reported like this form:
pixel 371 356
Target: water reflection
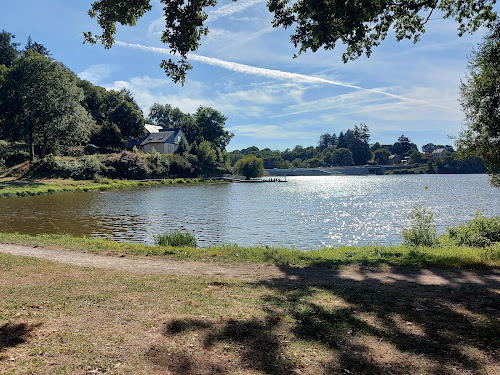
pixel 306 212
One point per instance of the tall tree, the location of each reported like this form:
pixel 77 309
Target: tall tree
pixel 170 117
pixel 36 47
pixel 403 146
pixel 8 49
pixel 210 124
pixel 359 25
pixel 40 103
pixel 480 99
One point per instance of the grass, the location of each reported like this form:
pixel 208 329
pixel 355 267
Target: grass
pixel 446 254
pixel 176 238
pixel 12 188
pixel 58 319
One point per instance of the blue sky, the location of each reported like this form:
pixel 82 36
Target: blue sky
pixel 245 69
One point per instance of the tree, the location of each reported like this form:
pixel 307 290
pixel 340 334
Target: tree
pixel 110 136
pixel 8 49
pixel 338 157
pixel 403 146
pixel 357 142
pixel 480 99
pixel 250 166
pixel 381 155
pixel 36 47
pixel 429 147
pixel 169 117
pixel 40 103
pixel 125 113
pixel 206 157
pixel 210 124
pixel 417 158
pixel 359 25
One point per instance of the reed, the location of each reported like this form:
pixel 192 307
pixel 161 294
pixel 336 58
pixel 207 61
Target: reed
pixel 176 238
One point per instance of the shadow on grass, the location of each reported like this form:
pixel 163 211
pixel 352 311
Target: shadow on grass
pixel 401 322
pixel 251 344
pixel 396 324
pixel 14 334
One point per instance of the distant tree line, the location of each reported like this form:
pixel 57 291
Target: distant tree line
pixel 352 148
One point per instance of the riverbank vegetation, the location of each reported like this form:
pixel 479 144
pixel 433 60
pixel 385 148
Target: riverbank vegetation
pixel 446 254
pixel 20 188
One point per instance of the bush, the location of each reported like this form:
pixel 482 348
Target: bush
pixel 250 166
pixel 176 238
pixel 421 231
pixel 13 153
pixel 158 164
pixel 128 165
pixel 179 166
pixel 480 232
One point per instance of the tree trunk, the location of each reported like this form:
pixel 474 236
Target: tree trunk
pixel 44 148
pixel 32 148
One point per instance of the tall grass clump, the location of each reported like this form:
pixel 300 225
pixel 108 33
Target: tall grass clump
pixel 176 238
pixel 421 230
pixel 479 232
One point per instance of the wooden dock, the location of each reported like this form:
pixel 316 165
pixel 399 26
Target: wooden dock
pixel 257 180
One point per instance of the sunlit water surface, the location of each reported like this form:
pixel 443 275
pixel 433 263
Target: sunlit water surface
pixel 305 212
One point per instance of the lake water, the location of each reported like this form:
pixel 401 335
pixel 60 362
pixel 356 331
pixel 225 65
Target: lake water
pixel 305 212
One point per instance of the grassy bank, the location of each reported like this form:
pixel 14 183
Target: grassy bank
pixel 51 186
pixel 58 319
pixel 444 255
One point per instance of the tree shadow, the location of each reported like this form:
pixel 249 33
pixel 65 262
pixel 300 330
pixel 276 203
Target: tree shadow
pixel 452 326
pixel 398 321
pixel 251 344
pixel 12 335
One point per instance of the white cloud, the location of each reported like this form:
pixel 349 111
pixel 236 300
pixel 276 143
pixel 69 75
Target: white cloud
pixel 281 75
pixel 232 8
pixel 156 27
pixel 268 131
pixel 96 73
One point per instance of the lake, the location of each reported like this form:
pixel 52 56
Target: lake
pixel 305 212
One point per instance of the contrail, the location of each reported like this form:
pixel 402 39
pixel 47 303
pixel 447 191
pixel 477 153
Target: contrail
pixel 278 74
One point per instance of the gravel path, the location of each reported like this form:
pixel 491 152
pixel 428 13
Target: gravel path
pixel 401 277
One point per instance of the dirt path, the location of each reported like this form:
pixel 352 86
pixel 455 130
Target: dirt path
pixel 252 272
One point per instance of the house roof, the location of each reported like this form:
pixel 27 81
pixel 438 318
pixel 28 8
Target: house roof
pixel 166 136
pixel 153 128
pixel 439 151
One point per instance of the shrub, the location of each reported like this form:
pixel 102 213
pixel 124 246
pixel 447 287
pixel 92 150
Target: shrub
pixel 128 165
pixel 158 164
pixel 421 230
pixel 74 151
pixel 179 166
pixel 479 232
pixel 176 238
pixel 13 153
pixel 91 166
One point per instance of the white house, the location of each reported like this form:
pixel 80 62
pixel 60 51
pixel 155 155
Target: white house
pixel 440 152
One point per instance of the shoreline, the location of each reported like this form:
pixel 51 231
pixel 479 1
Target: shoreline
pixel 444 255
pixel 20 188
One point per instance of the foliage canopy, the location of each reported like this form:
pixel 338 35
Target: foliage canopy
pixel 480 99
pixel 359 25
